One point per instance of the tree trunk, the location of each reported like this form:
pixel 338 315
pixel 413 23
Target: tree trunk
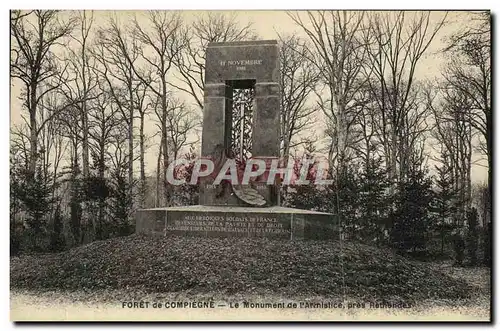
pixel 85 143
pixel 393 165
pixel 99 226
pixel 165 166
pixel 165 140
pixel 87 220
pixel 75 207
pixel 468 169
pixel 158 175
pixel 33 132
pixel 141 160
pixel 131 142
pixel 489 149
pixel 85 126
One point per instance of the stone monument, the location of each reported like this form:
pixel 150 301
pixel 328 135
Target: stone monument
pixel 241 121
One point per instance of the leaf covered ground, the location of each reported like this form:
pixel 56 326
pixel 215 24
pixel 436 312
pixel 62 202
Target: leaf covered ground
pixel 237 266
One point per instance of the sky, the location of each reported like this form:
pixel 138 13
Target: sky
pixel 267 24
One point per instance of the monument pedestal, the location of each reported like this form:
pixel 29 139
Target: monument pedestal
pixel 221 221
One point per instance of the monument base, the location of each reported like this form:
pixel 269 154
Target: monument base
pixel 223 221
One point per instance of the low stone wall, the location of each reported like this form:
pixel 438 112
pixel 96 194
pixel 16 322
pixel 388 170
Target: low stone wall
pixel 220 221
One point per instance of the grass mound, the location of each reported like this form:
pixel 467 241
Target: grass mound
pixel 236 265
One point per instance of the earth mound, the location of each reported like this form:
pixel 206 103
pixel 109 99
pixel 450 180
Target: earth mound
pixel 236 265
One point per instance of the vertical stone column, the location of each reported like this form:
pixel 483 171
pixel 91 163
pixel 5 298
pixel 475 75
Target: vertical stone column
pixel 218 97
pixel 266 130
pixel 216 122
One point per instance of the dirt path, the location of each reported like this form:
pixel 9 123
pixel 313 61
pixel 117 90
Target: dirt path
pixel 478 277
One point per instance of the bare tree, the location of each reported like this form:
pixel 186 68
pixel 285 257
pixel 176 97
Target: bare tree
pixel 104 120
pixel 140 92
pixel 209 27
pixel 160 43
pixel 468 72
pixel 365 145
pixel 454 135
pixel 81 64
pixel 19 142
pixel 34 35
pixel 117 53
pixel 174 128
pixel 180 122
pixel 298 80
pixel 339 54
pixel 396 46
pixel 53 145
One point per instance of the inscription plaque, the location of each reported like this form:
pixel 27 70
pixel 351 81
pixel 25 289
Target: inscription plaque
pixel 227 224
